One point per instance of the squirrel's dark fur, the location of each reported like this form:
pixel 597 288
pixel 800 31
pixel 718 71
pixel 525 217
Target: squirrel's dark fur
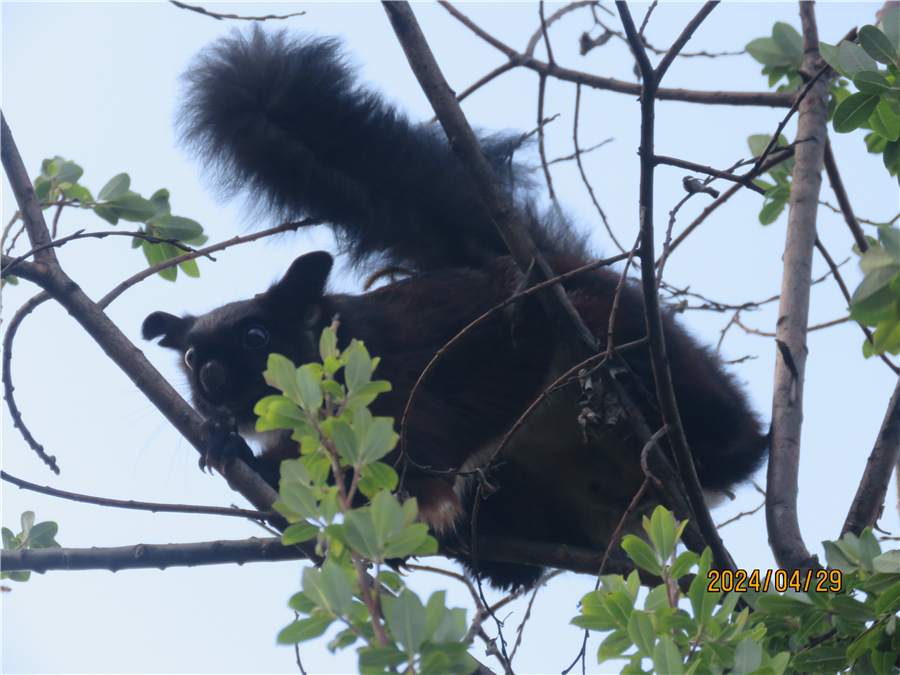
pixel 281 118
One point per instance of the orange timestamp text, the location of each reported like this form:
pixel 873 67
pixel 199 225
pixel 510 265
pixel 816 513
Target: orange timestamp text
pixel 780 580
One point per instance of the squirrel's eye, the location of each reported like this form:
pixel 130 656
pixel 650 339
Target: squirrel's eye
pixel 190 358
pixel 256 337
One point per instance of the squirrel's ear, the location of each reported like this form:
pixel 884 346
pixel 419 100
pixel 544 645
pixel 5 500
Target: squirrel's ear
pixel 174 329
pixel 305 278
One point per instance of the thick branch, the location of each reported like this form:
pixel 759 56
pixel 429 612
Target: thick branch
pixel 869 499
pixel 111 340
pixel 149 556
pixel 793 315
pixel 32 216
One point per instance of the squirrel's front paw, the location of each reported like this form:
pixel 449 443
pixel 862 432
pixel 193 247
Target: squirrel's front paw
pixel 223 444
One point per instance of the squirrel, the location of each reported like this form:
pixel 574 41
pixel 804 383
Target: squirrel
pixel 282 119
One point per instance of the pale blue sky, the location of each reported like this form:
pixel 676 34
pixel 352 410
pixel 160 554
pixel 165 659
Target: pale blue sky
pixel 97 83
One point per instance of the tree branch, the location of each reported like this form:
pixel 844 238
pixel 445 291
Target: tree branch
pixel 51 278
pixel 793 315
pixel 149 556
pixel 869 499
pixel 659 360
pixel 763 99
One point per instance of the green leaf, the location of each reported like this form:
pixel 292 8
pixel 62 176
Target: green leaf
pixel 891 157
pixel 42 535
pixel 702 600
pixel 345 442
pixel 883 662
pixel 642 554
pixel 642 633
pixel 300 602
pixel 412 540
pixel 853 59
pixel 299 532
pixel 116 187
pixel 662 531
pixel 852 609
pixel 328 344
pixel 789 41
pixel 365 394
pixel 330 588
pixel 782 605
pixel 884 121
pixel 177 227
pixel 872 82
pixel 281 374
pixel 305 629
pixel 877 279
pixel 131 207
pixel 854 111
pixel 821 659
pixel 683 564
pixel 770 212
pixel 387 516
pixel 27 521
pixel 890 240
pixel 358 370
pixel 666 657
pixel 376 659
pixel 815 624
pixel 877 45
pixel 613 645
pixel 308 389
pixel 377 476
pixel 830 54
pixel 768 52
pixel 360 533
pixel 868 549
pixel 69 173
pixel 747 657
pixel 379 440
pixel 300 499
pixel 620 606
pixel 890 24
pixel 435 610
pixel 888 562
pixel 864 644
pixel 406 618
pixel 190 268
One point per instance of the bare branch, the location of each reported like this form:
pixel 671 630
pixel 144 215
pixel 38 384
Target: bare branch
pixel 869 499
pixel 783 525
pixel 149 556
pixel 665 392
pixel 137 506
pixel 837 186
pixel 763 99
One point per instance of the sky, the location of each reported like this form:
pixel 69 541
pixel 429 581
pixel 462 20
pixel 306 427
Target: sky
pixel 98 83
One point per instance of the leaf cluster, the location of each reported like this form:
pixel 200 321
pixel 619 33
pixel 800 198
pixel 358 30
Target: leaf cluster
pixel 876 104
pixel 705 631
pixel 40 535
pixel 58 186
pixel 323 495
pixel 781 56
pixel 876 301
pixel 839 631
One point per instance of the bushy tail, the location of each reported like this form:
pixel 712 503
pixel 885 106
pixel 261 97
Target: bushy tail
pixel 282 118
